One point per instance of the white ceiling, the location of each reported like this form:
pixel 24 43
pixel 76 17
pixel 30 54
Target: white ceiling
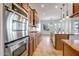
pixel 49 11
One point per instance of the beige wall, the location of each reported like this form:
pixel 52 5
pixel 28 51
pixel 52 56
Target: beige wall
pixel 1 31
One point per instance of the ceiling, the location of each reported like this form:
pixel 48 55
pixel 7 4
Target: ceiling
pixel 47 11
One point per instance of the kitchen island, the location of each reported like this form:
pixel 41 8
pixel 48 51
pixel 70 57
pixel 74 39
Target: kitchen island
pixel 70 48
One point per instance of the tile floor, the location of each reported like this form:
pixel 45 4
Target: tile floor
pixel 45 48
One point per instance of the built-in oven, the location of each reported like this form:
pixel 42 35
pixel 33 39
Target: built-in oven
pixel 16 48
pixel 16 36
pixel 19 50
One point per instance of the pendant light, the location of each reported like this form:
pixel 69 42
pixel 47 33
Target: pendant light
pixel 67 16
pixel 62 13
pixel 63 18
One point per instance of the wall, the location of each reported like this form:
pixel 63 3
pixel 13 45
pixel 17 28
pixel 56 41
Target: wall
pixel 1 31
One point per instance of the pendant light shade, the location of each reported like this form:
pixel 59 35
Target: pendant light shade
pixel 62 12
pixel 67 16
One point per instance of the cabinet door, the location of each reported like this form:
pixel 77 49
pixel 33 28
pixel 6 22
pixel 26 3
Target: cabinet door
pixel 34 43
pixel 31 46
pixel 75 7
pixel 25 6
pixel 32 20
pixel 58 40
pixel 35 17
pixel 30 12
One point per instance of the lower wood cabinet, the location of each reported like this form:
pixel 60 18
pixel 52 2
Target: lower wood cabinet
pixel 58 40
pixel 33 42
pixel 30 46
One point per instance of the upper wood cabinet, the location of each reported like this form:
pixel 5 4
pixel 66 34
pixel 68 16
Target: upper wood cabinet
pixel 75 7
pixel 30 13
pixel 75 10
pixel 25 6
pixel 35 17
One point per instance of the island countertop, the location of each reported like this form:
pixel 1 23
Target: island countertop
pixel 70 48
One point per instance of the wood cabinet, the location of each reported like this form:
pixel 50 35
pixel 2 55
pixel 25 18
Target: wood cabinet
pixel 58 40
pixel 75 7
pixel 31 45
pixel 52 37
pixel 31 19
pixel 37 39
pixel 25 6
pixel 75 10
pixel 30 13
pixel 33 42
pixel 19 9
pixel 35 17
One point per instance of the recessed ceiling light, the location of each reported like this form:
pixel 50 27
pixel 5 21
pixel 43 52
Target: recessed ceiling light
pixel 56 6
pixel 42 6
